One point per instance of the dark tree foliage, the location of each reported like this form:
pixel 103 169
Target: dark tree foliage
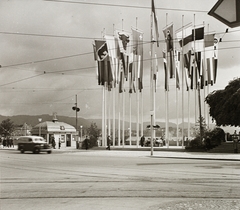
pixel 93 130
pixel 6 127
pixel 217 136
pixel 225 104
pixel 93 134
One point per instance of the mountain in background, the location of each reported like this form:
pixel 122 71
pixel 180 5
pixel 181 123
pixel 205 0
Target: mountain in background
pixel 32 120
pixel 19 120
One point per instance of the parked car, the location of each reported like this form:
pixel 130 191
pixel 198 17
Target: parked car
pixel 36 144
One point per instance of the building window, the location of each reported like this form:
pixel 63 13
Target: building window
pixel 62 138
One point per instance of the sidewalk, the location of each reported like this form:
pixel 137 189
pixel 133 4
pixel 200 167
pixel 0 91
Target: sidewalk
pixel 158 152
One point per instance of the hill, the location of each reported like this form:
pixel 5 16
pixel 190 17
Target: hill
pixel 33 120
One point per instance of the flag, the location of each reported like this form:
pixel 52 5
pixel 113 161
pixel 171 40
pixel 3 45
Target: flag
pixel 184 37
pixel 168 34
pixel 155 20
pixel 188 68
pixel 104 66
pixel 124 41
pixel 166 71
pixel 209 40
pixel 137 49
pixel 98 45
pixel 209 55
pixel 112 52
pixel 155 71
pixel 137 44
pixel 198 60
pixel 216 41
pixel 198 46
pixel 132 74
pixel 125 47
pixel 95 58
pixel 177 62
pixel 101 49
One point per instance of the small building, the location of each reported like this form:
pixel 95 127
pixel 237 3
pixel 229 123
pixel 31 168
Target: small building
pixel 60 131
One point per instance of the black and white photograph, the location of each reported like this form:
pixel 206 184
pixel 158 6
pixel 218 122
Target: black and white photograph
pixel 119 105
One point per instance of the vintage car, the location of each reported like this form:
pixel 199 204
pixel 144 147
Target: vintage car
pixel 35 144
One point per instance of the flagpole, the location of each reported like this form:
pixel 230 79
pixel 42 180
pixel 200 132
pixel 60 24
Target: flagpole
pixel 167 100
pixel 137 69
pixel 119 118
pixel 141 96
pixel 103 116
pixel 105 113
pixel 182 85
pixel 151 83
pixel 204 76
pixel 130 118
pixel 114 116
pixel 177 85
pixel 194 68
pixel 207 109
pixel 137 95
pixel 123 123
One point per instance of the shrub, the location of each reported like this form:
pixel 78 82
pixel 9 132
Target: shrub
pixel 217 135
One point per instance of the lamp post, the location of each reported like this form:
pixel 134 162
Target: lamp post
pixel 81 132
pixel 75 108
pixel 39 120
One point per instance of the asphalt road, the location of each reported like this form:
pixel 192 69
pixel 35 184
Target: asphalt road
pixel 116 180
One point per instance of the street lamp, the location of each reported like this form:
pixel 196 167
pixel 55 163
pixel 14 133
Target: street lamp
pixel 39 120
pixel 75 108
pixel 81 132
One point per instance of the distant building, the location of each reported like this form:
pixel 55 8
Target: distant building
pixel 62 132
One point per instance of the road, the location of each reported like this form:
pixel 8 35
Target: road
pixel 116 180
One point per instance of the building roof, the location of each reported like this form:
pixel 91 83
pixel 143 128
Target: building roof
pixel 54 127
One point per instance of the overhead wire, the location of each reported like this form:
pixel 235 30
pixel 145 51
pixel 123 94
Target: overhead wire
pixel 126 6
pixel 76 37
pixel 20 80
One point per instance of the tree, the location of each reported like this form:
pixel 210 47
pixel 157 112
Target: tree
pixel 200 126
pixel 225 104
pixel 6 127
pixel 93 130
pixel 216 136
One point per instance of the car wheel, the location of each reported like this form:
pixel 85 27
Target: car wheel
pixel 49 152
pixel 22 150
pixel 36 150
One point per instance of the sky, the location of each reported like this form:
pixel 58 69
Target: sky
pixel 47 59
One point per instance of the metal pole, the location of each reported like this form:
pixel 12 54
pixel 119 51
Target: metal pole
pixel 200 113
pixel 76 114
pixel 39 132
pixel 81 133
pixel 151 134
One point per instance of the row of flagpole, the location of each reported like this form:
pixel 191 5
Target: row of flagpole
pixel 121 71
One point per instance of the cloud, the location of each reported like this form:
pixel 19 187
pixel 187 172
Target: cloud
pixel 55 90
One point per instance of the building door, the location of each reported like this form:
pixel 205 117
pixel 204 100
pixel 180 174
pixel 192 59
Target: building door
pixel 68 140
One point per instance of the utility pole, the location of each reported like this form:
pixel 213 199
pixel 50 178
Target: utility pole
pixel 75 108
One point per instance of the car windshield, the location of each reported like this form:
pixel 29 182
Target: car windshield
pixel 40 140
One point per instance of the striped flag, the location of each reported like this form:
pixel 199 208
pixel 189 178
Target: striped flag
pixel 184 37
pixel 177 62
pixel 166 71
pixel 137 49
pixel 209 56
pixel 155 22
